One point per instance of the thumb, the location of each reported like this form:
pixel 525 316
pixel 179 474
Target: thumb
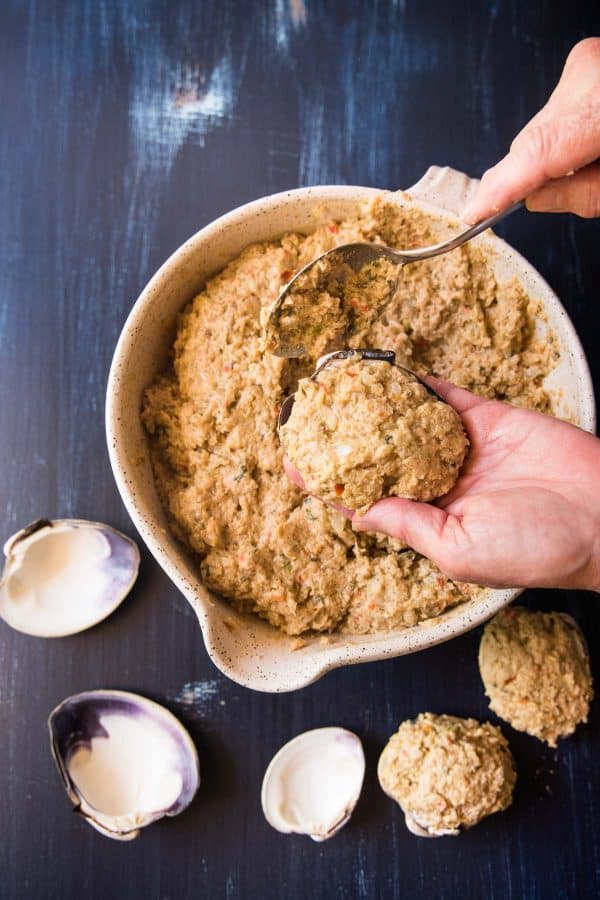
pixel 423 527
pixel 578 193
pixel 547 150
pixel 563 137
pixel 293 474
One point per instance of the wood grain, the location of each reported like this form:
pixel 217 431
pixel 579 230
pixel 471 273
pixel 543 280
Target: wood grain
pixel 125 127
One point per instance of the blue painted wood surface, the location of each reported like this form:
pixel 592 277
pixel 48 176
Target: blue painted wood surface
pixel 124 127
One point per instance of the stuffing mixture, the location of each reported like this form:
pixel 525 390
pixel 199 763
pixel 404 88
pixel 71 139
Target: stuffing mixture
pixel 536 672
pixel 447 773
pixel 360 430
pixel 212 422
pixel 329 304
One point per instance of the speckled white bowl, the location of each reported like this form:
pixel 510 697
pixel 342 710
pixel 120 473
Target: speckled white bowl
pixel 244 648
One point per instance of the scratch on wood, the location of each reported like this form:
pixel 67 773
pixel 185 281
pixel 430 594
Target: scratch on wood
pixel 341 128
pixel 289 17
pixel 196 696
pixel 171 103
pixel 298 12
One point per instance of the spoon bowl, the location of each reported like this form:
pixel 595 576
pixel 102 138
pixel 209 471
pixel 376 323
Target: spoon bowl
pixel 357 256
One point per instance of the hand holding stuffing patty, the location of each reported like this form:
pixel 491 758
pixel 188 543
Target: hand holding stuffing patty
pixel 525 511
pixel 361 429
pixel 554 161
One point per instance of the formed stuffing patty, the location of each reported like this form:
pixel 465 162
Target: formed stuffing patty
pixel 364 429
pixel 536 672
pixel 447 773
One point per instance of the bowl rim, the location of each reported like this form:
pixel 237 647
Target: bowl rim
pixel 454 622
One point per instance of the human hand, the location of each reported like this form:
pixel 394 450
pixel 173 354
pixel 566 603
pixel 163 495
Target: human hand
pixel 554 161
pixel 524 512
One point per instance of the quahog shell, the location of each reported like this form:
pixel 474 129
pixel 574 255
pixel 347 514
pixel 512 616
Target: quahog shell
pixel 423 831
pixel 447 773
pixel 313 783
pixel 124 760
pixel 62 576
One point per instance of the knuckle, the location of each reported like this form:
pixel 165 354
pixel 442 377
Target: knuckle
pixel 587 48
pixel 536 143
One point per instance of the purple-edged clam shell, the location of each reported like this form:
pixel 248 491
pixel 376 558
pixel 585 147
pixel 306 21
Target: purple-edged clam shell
pixel 62 576
pixel 125 761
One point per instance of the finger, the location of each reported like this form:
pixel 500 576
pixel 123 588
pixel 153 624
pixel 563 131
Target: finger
pixel 579 194
pixel 550 149
pixel 579 80
pixel 421 526
pixel 342 510
pixel 458 397
pixel 580 74
pixel 293 474
pixel 562 137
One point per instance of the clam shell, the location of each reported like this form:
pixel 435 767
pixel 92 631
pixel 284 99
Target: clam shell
pixel 124 760
pixel 313 783
pixel 421 831
pixel 62 576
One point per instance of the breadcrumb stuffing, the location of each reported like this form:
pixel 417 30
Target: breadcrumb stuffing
pixel 536 672
pixel 211 420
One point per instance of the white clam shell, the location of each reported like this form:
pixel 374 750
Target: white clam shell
pixel 313 783
pixel 125 761
pixel 422 831
pixel 62 576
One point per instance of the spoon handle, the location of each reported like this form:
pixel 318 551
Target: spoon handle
pixel 452 243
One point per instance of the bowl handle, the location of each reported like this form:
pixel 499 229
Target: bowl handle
pixel 444 187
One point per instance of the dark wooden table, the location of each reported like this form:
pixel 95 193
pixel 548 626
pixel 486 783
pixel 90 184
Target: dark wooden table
pixel 125 127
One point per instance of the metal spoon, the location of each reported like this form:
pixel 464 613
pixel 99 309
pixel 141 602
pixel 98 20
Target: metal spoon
pixel 358 255
pixel 387 356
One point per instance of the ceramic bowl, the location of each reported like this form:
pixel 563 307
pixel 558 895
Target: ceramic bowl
pixel 243 647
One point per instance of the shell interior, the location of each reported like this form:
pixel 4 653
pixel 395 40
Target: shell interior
pixel 125 761
pixel 313 783
pixel 64 576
